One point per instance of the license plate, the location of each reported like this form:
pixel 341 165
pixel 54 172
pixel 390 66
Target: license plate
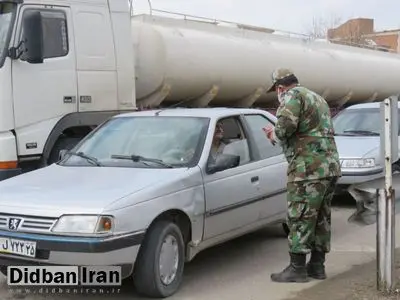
pixel 19 247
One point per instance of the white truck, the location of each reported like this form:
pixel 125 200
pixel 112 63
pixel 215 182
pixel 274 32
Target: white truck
pixel 68 65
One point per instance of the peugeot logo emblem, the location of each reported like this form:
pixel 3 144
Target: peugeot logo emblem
pixel 13 223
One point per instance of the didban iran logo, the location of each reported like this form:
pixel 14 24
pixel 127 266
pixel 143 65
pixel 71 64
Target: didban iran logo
pixel 64 276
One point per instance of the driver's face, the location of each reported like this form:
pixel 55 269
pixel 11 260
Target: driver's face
pixel 219 132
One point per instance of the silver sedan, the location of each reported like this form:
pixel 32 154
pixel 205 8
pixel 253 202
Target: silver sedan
pixel 147 191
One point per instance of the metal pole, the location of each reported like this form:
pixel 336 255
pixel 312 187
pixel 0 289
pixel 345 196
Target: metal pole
pixel 380 239
pixel 386 212
pixel 389 196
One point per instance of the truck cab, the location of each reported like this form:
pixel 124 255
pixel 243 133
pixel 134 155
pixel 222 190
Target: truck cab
pixel 65 67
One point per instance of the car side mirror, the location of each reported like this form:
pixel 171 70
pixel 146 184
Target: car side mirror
pixel 223 162
pixel 33 38
pixel 62 154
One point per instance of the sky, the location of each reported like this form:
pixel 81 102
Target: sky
pixel 287 15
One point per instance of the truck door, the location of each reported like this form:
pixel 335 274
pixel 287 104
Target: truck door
pixel 44 92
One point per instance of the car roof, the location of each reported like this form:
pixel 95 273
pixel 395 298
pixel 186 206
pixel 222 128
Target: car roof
pixel 365 105
pixel 215 113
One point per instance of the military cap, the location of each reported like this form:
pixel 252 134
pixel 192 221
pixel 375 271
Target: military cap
pixel 277 75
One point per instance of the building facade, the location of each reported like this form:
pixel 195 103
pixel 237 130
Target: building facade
pixel 360 32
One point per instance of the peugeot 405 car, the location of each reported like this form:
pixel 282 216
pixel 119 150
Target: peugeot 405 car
pixel 357 135
pixel 147 191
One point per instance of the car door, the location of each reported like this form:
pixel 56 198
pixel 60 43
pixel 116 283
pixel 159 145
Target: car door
pixel 229 194
pixel 270 166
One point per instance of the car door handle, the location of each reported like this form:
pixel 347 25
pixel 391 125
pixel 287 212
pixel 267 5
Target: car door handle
pixel 254 179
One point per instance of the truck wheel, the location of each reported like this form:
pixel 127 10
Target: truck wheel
pixel 160 263
pixel 3 270
pixel 63 143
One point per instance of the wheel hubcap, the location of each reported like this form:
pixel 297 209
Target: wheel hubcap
pixel 169 259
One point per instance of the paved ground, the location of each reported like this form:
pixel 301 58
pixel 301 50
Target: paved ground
pixel 357 284
pixel 240 270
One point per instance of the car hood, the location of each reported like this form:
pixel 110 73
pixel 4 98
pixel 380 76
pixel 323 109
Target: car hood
pixel 56 190
pixel 356 146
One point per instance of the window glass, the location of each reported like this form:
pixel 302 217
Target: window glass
pixel 7 11
pixel 359 121
pixel 264 146
pixel 229 139
pixel 172 140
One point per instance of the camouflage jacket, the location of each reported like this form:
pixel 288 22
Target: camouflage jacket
pixel 305 131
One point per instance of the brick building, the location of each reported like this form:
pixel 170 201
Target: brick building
pixel 360 32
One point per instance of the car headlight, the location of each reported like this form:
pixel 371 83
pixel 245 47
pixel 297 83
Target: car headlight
pixel 84 224
pixel 358 163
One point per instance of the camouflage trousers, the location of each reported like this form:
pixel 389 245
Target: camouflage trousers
pixel 309 214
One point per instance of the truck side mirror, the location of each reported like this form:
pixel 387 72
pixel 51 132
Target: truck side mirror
pixel 33 34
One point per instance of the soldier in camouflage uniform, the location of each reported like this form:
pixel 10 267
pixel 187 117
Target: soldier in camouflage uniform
pixel 304 130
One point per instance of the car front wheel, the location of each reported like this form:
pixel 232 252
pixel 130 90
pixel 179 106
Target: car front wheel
pixel 160 263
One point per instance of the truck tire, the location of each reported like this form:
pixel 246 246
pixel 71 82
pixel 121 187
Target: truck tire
pixel 63 143
pixel 150 278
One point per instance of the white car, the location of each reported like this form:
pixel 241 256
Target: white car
pixel 142 191
pixel 357 135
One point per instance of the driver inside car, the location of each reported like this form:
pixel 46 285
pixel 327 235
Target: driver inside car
pixel 217 146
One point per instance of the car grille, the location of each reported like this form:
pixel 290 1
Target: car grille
pixel 29 223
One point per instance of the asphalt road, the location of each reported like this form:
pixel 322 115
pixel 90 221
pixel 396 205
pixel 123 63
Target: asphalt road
pixel 241 269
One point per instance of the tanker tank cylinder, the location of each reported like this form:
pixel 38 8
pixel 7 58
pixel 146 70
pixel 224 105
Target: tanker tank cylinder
pixel 250 99
pixel 204 100
pixel 155 99
pixel 216 65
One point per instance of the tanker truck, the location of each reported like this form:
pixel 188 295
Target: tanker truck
pixel 68 65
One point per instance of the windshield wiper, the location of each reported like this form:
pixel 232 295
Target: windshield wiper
pixel 87 157
pixel 138 158
pixel 362 132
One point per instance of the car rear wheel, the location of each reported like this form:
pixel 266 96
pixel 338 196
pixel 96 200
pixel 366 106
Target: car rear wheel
pixel 160 263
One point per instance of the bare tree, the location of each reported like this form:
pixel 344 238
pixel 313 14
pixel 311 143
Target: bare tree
pixel 320 26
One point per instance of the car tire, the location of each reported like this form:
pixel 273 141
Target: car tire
pixel 148 277
pixel 286 229
pixel 3 270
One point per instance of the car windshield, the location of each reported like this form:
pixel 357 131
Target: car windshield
pixel 358 122
pixel 142 142
pixel 7 11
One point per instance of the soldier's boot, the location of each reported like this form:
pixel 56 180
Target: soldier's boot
pixel 295 272
pixel 316 267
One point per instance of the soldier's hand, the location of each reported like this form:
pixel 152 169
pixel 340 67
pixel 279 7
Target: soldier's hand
pixel 269 132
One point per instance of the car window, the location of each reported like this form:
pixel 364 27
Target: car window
pixel 256 122
pixel 359 121
pixel 176 141
pixel 229 138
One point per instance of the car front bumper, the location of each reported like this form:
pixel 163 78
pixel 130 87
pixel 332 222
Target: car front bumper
pixel 356 176
pixel 77 251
